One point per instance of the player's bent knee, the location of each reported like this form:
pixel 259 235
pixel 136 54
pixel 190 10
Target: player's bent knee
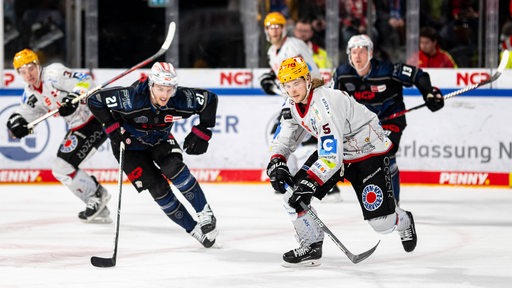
pixel 159 188
pixel 385 224
pixel 62 170
pixel 173 167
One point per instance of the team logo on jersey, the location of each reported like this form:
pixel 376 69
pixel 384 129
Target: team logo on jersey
pixel 126 102
pixel 372 197
pixel 350 87
pixel 329 145
pixel 69 144
pixel 378 88
pixel 141 119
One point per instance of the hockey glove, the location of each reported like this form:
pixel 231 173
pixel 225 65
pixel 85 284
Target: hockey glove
pixel 116 136
pixel 17 126
pixel 268 83
pixel 68 107
pixel 196 142
pixel 279 174
pixel 434 99
pixel 303 193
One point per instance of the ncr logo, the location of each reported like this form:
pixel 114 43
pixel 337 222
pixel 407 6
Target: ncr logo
pixel 26 148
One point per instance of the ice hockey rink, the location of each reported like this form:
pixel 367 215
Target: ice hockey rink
pixel 464 240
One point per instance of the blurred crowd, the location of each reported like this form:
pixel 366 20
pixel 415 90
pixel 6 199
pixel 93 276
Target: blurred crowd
pixel 215 36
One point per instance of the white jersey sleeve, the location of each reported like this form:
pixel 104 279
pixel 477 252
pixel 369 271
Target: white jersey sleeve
pixel 346 131
pixel 292 47
pixel 57 82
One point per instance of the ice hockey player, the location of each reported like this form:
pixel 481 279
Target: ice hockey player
pixel 281 48
pixel 54 87
pixel 379 86
pixel 141 116
pixel 351 144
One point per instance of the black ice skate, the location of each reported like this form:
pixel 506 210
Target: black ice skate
pixel 408 236
pixel 207 242
pixel 95 204
pixel 304 256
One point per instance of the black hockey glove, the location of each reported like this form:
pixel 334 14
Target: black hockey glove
pixel 17 126
pixel 196 142
pixel 434 99
pixel 279 174
pixel 268 83
pixel 116 136
pixel 68 107
pixel 303 193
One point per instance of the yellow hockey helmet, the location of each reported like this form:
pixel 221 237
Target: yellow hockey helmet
pixel 24 57
pixel 292 68
pixel 274 18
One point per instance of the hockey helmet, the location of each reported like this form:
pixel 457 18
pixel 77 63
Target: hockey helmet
pixel 274 18
pixel 360 41
pixel 292 68
pixel 24 57
pixel 163 73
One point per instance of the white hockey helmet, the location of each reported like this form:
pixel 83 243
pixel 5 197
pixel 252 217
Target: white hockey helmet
pixel 360 41
pixel 163 73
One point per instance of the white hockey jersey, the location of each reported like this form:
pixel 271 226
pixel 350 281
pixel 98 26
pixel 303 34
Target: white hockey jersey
pixel 346 131
pixel 292 47
pixel 57 81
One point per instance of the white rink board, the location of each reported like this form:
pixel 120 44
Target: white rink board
pixel 469 134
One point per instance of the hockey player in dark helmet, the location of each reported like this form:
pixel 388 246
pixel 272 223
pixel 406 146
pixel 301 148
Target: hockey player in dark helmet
pixel 351 144
pixel 141 116
pixel 379 86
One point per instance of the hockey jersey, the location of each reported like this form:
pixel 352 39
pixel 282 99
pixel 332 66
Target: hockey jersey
pixel 57 81
pixel 346 131
pixel 147 124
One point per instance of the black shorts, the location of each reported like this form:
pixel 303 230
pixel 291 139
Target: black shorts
pixel 142 166
pixel 78 143
pixel 371 179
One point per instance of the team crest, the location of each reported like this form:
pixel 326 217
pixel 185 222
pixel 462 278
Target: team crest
pixel 69 144
pixel 372 197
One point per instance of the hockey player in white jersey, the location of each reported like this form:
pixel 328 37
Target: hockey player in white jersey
pixel 54 87
pixel 281 48
pixel 351 144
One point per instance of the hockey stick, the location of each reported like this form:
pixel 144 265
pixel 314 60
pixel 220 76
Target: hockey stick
pixel 355 258
pixel 111 262
pixel 163 49
pixel 499 71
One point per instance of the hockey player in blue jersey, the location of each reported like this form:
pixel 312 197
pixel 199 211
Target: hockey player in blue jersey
pixel 379 86
pixel 141 116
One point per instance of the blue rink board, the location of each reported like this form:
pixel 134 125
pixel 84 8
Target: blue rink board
pixel 257 92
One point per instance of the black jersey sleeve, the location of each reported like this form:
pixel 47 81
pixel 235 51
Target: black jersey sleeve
pixel 207 115
pixel 103 102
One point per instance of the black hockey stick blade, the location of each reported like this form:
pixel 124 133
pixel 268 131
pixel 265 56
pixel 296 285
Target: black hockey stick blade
pixel 355 258
pixel 494 77
pixel 103 262
pixel 111 262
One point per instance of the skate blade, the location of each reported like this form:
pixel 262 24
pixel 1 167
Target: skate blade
pixel 303 264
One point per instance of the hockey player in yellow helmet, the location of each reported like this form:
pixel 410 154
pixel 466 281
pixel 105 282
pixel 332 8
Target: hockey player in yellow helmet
pixel 54 87
pixel 24 57
pixel 351 144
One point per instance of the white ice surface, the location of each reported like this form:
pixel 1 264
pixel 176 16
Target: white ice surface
pixel 465 237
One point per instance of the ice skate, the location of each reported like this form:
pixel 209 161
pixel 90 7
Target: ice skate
pixel 206 220
pixel 304 256
pixel 95 204
pixel 102 218
pixel 408 236
pixel 207 242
